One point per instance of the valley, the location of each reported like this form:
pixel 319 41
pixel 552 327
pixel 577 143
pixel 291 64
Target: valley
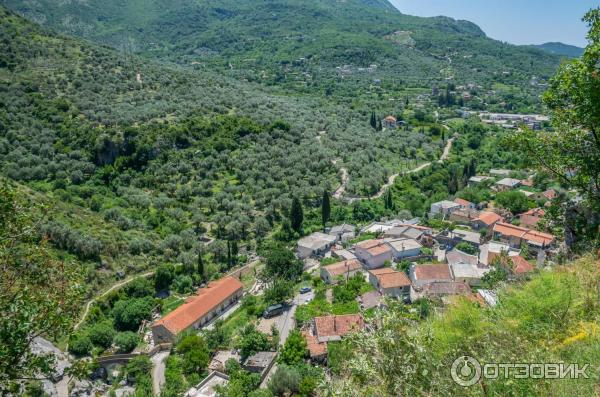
pixel 290 198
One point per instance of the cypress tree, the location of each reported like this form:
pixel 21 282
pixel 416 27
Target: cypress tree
pixel 325 208
pixel 296 215
pixel 373 120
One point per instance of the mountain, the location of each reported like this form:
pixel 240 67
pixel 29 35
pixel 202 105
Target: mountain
pixel 557 48
pixel 307 46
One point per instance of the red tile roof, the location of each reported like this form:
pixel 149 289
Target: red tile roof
pixel 383 270
pixel 375 247
pixel 339 268
pixel 197 306
pixel 329 326
pixel 534 212
pixel 463 202
pixel 391 119
pixel 432 272
pixel 489 218
pixel 315 349
pixel 521 265
pixel 506 229
pixel 393 280
pixel 550 194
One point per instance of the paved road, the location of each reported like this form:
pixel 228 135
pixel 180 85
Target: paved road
pixel 285 325
pixel 392 178
pixel 158 370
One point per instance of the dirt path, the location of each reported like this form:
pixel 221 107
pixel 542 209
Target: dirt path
pixel 392 178
pixel 114 287
pixel 158 371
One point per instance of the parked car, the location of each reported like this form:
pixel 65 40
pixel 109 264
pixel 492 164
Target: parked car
pixel 272 311
pixel 305 290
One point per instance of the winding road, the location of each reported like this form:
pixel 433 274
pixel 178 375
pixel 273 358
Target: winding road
pixel 339 193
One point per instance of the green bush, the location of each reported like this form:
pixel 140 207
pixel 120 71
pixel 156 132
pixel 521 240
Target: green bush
pixel 102 334
pixel 80 345
pixel 126 341
pixel 130 313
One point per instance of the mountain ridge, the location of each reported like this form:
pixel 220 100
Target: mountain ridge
pixel 559 48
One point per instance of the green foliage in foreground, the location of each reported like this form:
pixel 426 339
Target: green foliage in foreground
pixel 552 318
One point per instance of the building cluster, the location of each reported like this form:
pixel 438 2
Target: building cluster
pixel 508 120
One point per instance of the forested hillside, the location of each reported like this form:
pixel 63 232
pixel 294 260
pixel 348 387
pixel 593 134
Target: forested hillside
pixel 325 47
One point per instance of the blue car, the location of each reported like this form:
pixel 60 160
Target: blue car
pixel 305 290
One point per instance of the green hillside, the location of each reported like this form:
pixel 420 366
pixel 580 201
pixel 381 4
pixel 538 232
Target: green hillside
pixel 308 46
pixel 567 50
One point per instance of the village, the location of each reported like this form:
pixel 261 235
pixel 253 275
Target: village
pixel 459 249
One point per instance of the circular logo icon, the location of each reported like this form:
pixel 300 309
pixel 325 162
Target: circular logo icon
pixel 466 371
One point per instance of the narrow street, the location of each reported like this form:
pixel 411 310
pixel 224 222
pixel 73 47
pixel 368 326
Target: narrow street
pixel 285 324
pixel 158 370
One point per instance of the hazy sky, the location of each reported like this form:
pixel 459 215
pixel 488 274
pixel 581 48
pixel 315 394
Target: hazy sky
pixel 514 21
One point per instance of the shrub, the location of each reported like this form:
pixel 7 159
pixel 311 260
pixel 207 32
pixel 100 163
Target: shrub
pixel 130 313
pixel 126 341
pixel 102 334
pixel 80 345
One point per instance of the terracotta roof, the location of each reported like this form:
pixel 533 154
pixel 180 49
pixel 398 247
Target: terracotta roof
pixel 329 326
pixel 383 270
pixel 521 265
pixel 462 202
pixel 489 218
pixel 432 272
pixel 539 237
pixel 535 212
pixel 390 118
pixel 446 288
pixel 375 247
pixel 550 194
pixel 393 280
pixel 527 182
pixel 339 268
pixel 197 306
pixel 506 229
pixel 315 349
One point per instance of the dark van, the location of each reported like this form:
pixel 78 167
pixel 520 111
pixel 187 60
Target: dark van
pixel 273 311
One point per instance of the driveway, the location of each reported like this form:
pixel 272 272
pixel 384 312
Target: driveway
pixel 158 370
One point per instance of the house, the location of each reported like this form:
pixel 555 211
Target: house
pixel 198 310
pixel 443 208
pixel 421 275
pixel 441 289
pixel 327 329
pixel 346 269
pixel 531 218
pixel 343 232
pixel 373 253
pixel 260 363
pixel 220 358
pixel 527 182
pixel 507 184
pixel 468 273
pixel 342 254
pixel 550 194
pixel 390 282
pixel 369 300
pixel 464 215
pixel 464 204
pixel 488 251
pixel 520 266
pixel 486 220
pixel 500 172
pixel 315 244
pixel 474 180
pixel 467 236
pixel 456 256
pixel 208 387
pixel 389 122
pixel 516 236
pixel 404 248
pixel 414 232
